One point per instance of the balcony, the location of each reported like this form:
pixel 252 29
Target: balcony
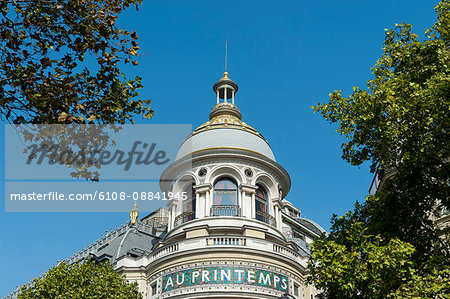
pixel 264 217
pixel 225 210
pixel 238 242
pixel 184 217
pixel 226 241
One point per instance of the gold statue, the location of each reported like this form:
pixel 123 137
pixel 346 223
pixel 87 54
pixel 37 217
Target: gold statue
pixel 134 214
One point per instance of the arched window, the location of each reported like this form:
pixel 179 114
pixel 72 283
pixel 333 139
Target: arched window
pixel 261 203
pixel 225 193
pixel 188 206
pixel 225 200
pixel 189 203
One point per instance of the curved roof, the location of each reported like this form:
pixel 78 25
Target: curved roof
pixel 311 225
pixel 225 129
pixel 225 138
pixel 130 239
pixel 133 242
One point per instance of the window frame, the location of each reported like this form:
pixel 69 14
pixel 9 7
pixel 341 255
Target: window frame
pixel 236 189
pixel 261 200
pixel 192 200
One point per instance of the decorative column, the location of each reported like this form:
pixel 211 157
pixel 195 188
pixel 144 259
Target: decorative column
pixel 172 213
pixel 203 200
pixel 248 194
pixel 169 223
pixel 280 220
pixel 278 217
pixel 199 203
pixel 243 204
pixel 277 208
pixel 253 206
pixel 276 211
pixel 208 203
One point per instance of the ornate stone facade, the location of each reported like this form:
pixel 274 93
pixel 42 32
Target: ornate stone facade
pixel 234 235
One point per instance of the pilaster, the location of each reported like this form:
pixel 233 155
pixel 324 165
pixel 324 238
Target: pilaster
pixel 204 203
pixel 248 200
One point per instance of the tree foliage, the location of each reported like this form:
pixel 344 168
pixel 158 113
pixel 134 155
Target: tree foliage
pixel 59 62
pixel 400 125
pixel 350 262
pixel 81 280
pixel 435 284
pixel 360 265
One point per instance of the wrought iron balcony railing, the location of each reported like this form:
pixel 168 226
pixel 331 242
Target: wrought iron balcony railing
pixel 184 217
pixel 225 210
pixel 264 217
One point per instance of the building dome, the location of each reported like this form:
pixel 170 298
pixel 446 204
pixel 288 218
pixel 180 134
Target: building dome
pixel 228 231
pixel 225 128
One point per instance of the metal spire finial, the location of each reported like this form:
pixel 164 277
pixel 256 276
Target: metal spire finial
pixel 226 54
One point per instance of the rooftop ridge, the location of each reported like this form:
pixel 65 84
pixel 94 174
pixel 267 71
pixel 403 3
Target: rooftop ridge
pixel 109 236
pixel 95 245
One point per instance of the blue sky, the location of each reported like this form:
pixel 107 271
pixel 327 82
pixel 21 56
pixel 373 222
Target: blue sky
pixel 285 56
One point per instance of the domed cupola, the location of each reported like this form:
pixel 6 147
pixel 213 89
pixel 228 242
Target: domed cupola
pixel 229 167
pixel 225 128
pixel 227 212
pixel 225 89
